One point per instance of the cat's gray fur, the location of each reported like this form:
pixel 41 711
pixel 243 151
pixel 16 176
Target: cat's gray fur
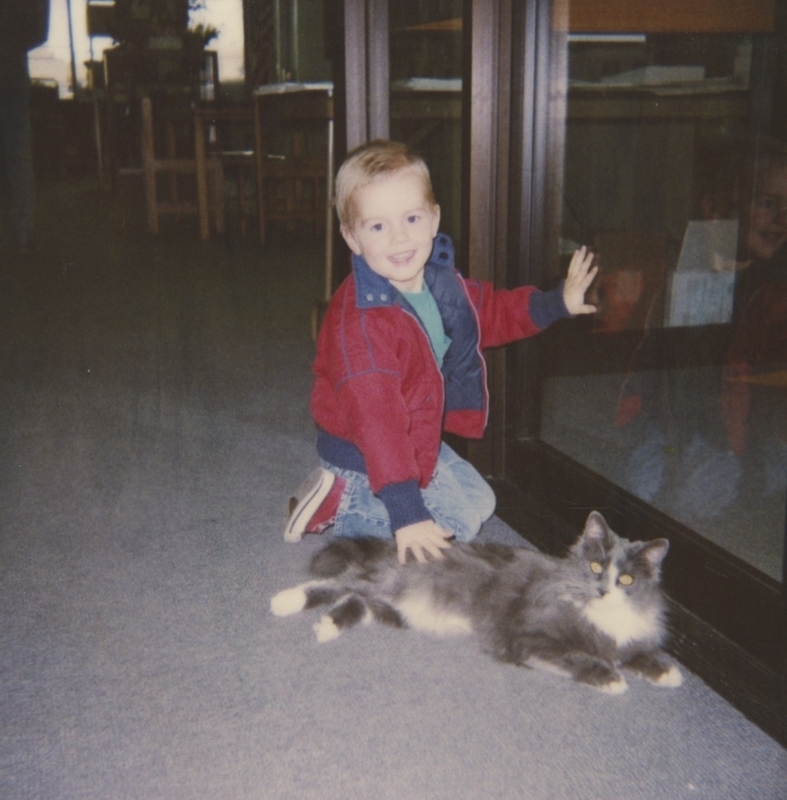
pixel 585 616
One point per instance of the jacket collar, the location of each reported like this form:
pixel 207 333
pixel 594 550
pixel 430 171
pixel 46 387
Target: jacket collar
pixel 374 291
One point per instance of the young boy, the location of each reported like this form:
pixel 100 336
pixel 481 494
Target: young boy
pixel 399 361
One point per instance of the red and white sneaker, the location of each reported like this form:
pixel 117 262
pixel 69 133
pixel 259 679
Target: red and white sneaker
pixel 305 510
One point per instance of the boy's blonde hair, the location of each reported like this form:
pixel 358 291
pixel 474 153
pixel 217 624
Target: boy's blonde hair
pixel 368 161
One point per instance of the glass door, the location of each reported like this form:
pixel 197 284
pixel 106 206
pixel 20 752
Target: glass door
pixel 403 74
pixel 670 175
pixel 426 94
pixel 402 79
pixel 658 139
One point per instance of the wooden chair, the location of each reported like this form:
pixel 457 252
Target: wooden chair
pixel 215 154
pixel 291 188
pixel 174 167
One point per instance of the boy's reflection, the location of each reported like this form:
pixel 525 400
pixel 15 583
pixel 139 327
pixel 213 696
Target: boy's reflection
pixel 755 376
pixel 682 439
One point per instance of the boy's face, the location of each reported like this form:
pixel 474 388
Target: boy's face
pixel 394 228
pixel 768 223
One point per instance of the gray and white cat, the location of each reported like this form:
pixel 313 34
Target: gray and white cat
pixel 584 616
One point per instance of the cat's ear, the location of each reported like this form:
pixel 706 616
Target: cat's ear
pixel 596 528
pixel 654 552
pixel 595 539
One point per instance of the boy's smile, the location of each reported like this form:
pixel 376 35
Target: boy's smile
pixel 768 226
pixel 394 228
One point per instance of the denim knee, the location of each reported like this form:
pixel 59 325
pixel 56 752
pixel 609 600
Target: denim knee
pixel 459 498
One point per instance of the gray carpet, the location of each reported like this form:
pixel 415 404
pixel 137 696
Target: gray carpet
pixel 153 417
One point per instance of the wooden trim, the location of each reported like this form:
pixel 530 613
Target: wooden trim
pixel 487 113
pixel 440 26
pixel 355 75
pixel 672 16
pixel 528 174
pixel 379 78
pixel 743 681
pixel 482 106
pixel 367 70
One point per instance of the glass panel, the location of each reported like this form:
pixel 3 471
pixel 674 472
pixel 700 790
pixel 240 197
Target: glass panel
pixel 426 94
pixel 676 390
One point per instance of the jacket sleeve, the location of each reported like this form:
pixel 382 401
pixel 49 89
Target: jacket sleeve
pixel 507 315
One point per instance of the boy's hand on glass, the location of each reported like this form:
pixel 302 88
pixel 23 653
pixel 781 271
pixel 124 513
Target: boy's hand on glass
pixel 580 275
pixel 422 537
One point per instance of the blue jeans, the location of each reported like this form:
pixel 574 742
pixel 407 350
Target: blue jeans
pixel 458 498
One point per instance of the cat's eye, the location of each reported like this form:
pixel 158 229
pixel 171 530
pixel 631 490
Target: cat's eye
pixel 626 580
pixel 596 568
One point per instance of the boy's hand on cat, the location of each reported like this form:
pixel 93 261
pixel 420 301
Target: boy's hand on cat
pixel 578 279
pixel 421 537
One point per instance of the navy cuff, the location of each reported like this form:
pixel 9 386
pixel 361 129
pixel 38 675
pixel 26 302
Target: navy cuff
pixel 404 503
pixel 340 452
pixel 548 307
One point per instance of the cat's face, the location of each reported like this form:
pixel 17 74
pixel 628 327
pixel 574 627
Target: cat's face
pixel 622 597
pixel 616 568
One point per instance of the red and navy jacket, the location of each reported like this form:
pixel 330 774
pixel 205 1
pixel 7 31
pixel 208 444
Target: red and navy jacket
pixel 380 400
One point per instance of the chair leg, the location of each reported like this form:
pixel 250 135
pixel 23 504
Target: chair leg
pixel 203 191
pixel 261 205
pixel 290 202
pixel 149 164
pixel 316 215
pixel 217 186
pixel 174 194
pixel 239 174
pixel 260 171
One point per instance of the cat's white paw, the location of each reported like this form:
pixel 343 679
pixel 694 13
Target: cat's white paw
pixel 325 629
pixel 671 678
pixel 618 686
pixel 288 601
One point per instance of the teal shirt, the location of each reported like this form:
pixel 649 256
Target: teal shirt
pixel 426 307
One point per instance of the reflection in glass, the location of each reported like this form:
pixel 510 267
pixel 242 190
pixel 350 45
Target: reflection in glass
pixel 426 103
pixel 677 391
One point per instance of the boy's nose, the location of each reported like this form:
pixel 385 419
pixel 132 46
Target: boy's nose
pixel 775 206
pixel 399 233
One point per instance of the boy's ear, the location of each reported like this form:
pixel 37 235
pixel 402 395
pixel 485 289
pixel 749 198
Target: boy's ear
pixel 436 220
pixel 349 237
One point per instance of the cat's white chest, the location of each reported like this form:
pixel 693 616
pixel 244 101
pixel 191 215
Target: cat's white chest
pixel 613 615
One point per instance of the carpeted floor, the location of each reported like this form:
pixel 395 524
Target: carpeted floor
pixel 153 418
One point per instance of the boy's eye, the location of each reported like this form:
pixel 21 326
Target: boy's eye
pixel 771 204
pixel 413 218
pixel 378 226
pixel 596 568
